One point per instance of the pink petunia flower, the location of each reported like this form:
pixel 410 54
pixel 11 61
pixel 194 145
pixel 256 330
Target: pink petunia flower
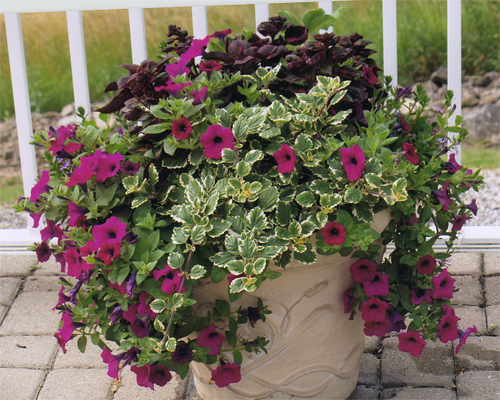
pixel 143 375
pixel 448 328
pixel 458 222
pixel 209 337
pixel 419 295
pixel 426 264
pixel 62 298
pixel 462 336
pixel 181 128
pixel 411 342
pixel 130 167
pixel 285 157
pixel 107 166
pixel 333 233
pixel 76 215
pixel 363 270
pixel 199 96
pixel 226 374
pixel 404 124
pixel 378 286
pixel 374 309
pixel 196 49
pixel 112 231
pixel 177 68
pixel 376 328
pixel 36 219
pixel 410 154
pixel 52 230
pixel 173 88
pixel 144 308
pixel 40 187
pixel 353 160
pixel 172 282
pixel 443 285
pixel 85 171
pixel 215 140
pixel 67 329
pixel 108 252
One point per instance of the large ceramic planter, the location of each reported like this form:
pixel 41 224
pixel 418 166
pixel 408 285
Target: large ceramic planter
pixel 314 350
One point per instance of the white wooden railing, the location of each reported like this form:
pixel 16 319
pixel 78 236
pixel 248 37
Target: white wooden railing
pixel 484 237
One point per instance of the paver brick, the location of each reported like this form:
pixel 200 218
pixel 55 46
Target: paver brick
pixel 3 312
pixel 469 291
pixel 34 352
pixel 471 316
pixel 8 289
pixel 491 263
pixel 42 283
pixel 50 267
pixel 76 384
pixel 493 317
pixel 475 385
pixel 492 288
pixel 362 393
pixel 372 343
pixel 17 265
pixel 418 394
pixel 434 368
pixel 73 358
pixel 20 383
pixel 369 370
pixel 31 314
pixel 465 264
pixel 479 353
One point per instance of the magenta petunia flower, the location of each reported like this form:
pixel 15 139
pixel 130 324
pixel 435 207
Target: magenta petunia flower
pixel 215 140
pixel 196 49
pixel 378 286
pixel 353 160
pixel 369 75
pixel 122 288
pixel 108 252
pixel 376 328
pixel 116 315
pixel 182 353
pixel 221 35
pixel 52 230
pixel 349 300
pixel 452 165
pixel 448 328
pixel 374 309
pixel 107 166
pixel 130 285
pixel 285 157
pixel 113 361
pixel 199 96
pixel 210 66
pixel 442 196
pixel 76 215
pixel 130 167
pixel 62 298
pixel 112 231
pixel 411 342
pixel 209 337
pixel 172 282
pixel 173 88
pixel 410 154
pixel 458 222
pixel 181 128
pixel 418 295
pixel 177 68
pixel 462 336
pixel 59 138
pixel 67 329
pixel 404 124
pixel 226 374
pixel 36 219
pixel 426 264
pixel 85 171
pixel 43 252
pixel 143 375
pixel 363 270
pixel 443 285
pixel 144 308
pixel 333 233
pixel 40 187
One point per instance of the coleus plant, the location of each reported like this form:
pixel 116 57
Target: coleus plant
pixel 268 149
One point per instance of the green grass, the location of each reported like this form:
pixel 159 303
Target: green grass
pixel 11 189
pixel 421 42
pixel 476 157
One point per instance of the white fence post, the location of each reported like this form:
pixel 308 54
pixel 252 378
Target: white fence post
pixel 390 33
pixel 78 60
pixel 200 24
pixel 138 35
pixel 261 13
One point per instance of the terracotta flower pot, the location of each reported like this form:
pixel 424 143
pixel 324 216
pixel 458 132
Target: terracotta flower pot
pixel 314 350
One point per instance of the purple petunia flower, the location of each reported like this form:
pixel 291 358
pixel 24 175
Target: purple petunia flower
pixel 62 298
pixel 353 161
pixel 182 353
pixel 116 315
pixel 363 270
pixel 458 222
pixel 215 139
pixel 173 88
pixel 177 68
pixel 181 128
pixel 107 166
pixel 333 233
pixel 376 328
pixel 374 309
pixel 76 215
pixel 473 207
pixel 397 322
pixel 85 171
pixel 40 187
pixel 159 374
pixel 410 153
pixel 144 308
pixel 452 165
pixel 448 328
pixel 108 252
pixel 199 96
pixel 130 167
pixel 411 342
pixel 112 231
pixel 443 285
pixel 404 124
pixel 143 375
pixel 349 300
pixel 221 35
pixel 209 337
pixel 285 157
pixel 462 336
pixel 131 282
pixel 226 374
pixel 172 282
pixel 67 329
pixel 378 286
pixel 36 219
pixel 52 230
pixel 43 252
pixel 369 75
pixel 210 66
pixel 401 92
pixel 419 294
pixel 426 265
pixel 442 196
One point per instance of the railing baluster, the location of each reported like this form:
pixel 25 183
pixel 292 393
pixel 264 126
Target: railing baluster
pixel 78 60
pixel 137 35
pixel 390 32
pixel 261 13
pixel 200 24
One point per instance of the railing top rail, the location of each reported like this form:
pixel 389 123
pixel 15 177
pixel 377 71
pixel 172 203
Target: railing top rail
pixel 29 6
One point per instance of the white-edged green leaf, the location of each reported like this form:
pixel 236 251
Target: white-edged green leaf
pixel 236 267
pixel 171 344
pixel 175 260
pixel 306 199
pixel 197 271
pixel 158 306
pixel 353 195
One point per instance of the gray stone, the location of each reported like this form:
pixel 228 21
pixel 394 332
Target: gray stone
pixel 465 264
pixel 33 352
pixel 471 316
pixel 440 76
pixel 362 393
pixel 43 283
pixel 3 312
pixel 419 393
pixel 73 358
pixel 8 289
pixel 17 265
pixel 469 291
pixel 493 317
pixel 50 267
pixel 478 385
pixel 369 370
pixel 481 353
pixel 492 263
pixel 469 99
pixel 76 384
pixel 489 96
pixel 492 287
pixel 31 314
pixel 372 343
pixel 20 383
pixel 483 122
pixel 434 368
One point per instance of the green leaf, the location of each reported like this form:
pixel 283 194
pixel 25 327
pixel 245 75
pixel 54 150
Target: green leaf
pixel 175 301
pixel 306 199
pixel 253 156
pixel 398 190
pixel 240 129
pixel 175 260
pixel 222 306
pixel 138 201
pixel 178 236
pixel 269 252
pixel 153 240
pixel 270 133
pixel 153 175
pixel 171 344
pixel 197 272
pixel 218 227
pixel 260 265
pixel 268 198
pixel 373 180
pixel 198 235
pixel 238 358
pixel 228 155
pixel 122 274
pixel 353 195
pixel 217 274
pixel 158 128
pixel 236 267
pixel 256 219
pixel 303 143
pixel 82 343
pixel 158 306
pixel 247 248
pixel 222 258
pixel 243 168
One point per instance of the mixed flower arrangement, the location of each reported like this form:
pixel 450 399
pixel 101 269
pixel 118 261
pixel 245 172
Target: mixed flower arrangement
pixel 270 148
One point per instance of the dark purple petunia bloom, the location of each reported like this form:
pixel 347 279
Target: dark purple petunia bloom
pixel 159 374
pixel 74 291
pixel 448 328
pixel 131 284
pixel 349 300
pixel 462 336
pixel 210 66
pixel 443 285
pixel 397 322
pixel 252 313
pixel 353 160
pixel 363 270
pixel 369 75
pixel 144 308
pixel 116 315
pixel 473 207
pixel 333 233
pixel 285 157
pixel 360 114
pixel 378 286
pixel 76 215
pixel 418 295
pixel 182 353
pixel 52 230
pixel 376 328
pixel 458 222
pixel 410 153
pixel 215 139
pixel 112 231
pixel 43 252
pixel 143 375
pixel 426 265
pixel 221 35
pixel 404 124
pixel 442 196
pixel 199 96
pixel 130 167
pixel 452 165
pixel 181 128
pixel 411 342
pixel 40 187
pixel 374 309
pixel 226 374
pixel 131 237
pixel 114 361
pixel 209 337
pixel 401 92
